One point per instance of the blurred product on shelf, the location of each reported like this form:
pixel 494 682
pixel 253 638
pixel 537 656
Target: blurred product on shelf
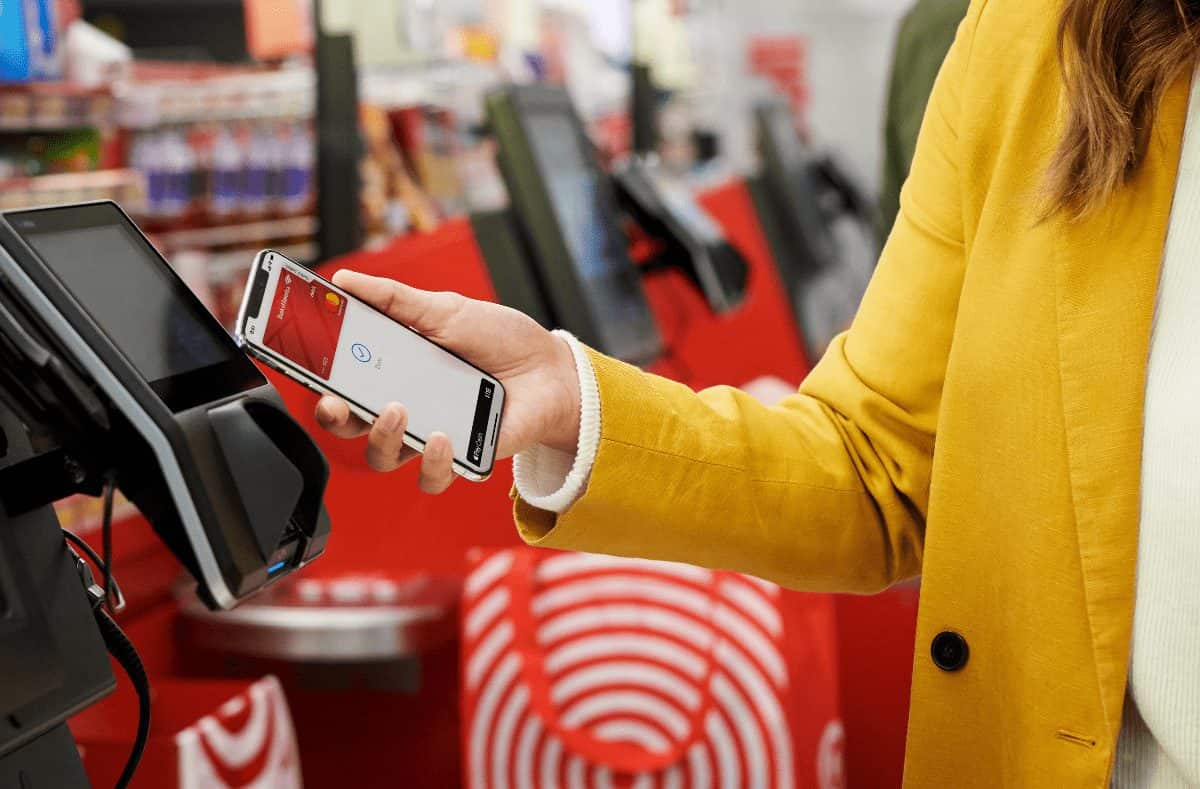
pixel 206 173
pixel 29 41
pixel 68 151
pixel 392 200
pixel 435 113
pixel 220 144
pixel 94 58
pixel 225 165
pixel 435 157
pixel 45 106
pixel 783 61
pixel 277 29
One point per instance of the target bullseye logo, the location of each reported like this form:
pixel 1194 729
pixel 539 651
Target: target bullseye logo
pixel 248 741
pixel 651 660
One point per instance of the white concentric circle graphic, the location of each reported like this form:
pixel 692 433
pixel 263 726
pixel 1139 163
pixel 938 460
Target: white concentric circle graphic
pixel 830 770
pixel 598 663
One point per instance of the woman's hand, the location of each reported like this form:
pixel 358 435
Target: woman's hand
pixel 537 369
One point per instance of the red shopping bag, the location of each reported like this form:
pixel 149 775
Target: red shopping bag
pixel 594 671
pixel 205 734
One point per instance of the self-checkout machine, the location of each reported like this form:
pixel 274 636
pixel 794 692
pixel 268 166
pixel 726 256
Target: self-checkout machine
pixel 560 251
pixel 114 376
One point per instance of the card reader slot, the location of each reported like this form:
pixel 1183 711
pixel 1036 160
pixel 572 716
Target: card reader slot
pixel 280 473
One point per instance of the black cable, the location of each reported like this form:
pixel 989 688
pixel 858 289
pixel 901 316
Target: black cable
pixel 115 640
pixel 122 649
pixel 102 566
pixel 110 486
pixel 119 645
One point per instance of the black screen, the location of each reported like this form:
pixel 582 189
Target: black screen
pixel 138 302
pixel 585 207
pixel 801 191
pixel 576 191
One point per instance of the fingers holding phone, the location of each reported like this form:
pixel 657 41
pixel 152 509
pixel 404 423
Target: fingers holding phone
pixel 437 465
pixel 427 312
pixel 386 450
pixel 361 347
pixel 334 416
pixel 353 341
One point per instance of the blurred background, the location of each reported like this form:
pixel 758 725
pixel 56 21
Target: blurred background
pixel 744 155
pixel 200 115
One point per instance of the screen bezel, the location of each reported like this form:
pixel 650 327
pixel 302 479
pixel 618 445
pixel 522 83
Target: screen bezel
pixel 179 392
pixel 260 291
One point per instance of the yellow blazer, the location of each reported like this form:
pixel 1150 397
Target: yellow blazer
pixel 980 424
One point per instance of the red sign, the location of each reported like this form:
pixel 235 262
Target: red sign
pixel 784 61
pixel 277 29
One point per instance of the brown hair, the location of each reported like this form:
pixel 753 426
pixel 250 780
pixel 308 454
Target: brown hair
pixel 1118 57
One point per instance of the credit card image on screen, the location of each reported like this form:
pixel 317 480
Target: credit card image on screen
pixel 309 329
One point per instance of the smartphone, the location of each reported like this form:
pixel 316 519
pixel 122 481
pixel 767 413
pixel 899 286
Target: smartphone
pixel 307 328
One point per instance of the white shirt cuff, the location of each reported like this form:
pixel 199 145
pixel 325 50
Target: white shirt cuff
pixel 552 480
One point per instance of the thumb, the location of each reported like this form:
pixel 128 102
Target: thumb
pixel 424 310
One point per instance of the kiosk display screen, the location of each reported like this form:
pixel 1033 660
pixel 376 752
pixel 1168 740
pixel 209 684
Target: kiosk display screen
pixel 790 164
pixel 818 246
pixel 136 299
pixel 565 207
pixel 595 241
pixel 584 204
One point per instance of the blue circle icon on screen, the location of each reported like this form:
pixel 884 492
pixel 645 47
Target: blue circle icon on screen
pixel 361 352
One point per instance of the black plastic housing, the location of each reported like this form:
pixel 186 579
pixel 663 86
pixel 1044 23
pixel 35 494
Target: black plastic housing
pixel 231 484
pixel 692 241
pixel 53 662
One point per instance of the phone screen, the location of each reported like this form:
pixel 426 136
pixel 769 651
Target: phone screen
pixel 371 360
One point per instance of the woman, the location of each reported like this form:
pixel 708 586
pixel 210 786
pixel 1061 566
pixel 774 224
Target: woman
pixel 1016 401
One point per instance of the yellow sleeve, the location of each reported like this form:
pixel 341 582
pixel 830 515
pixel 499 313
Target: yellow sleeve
pixel 828 490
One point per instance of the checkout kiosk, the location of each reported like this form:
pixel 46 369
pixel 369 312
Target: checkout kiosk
pixel 559 254
pixel 818 225
pixel 115 376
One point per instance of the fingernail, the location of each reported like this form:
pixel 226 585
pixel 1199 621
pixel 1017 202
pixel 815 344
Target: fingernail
pixel 441 444
pixel 390 419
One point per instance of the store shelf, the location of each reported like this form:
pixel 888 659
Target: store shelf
pixel 174 96
pixel 238 234
pixel 54 106
pixel 126 187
